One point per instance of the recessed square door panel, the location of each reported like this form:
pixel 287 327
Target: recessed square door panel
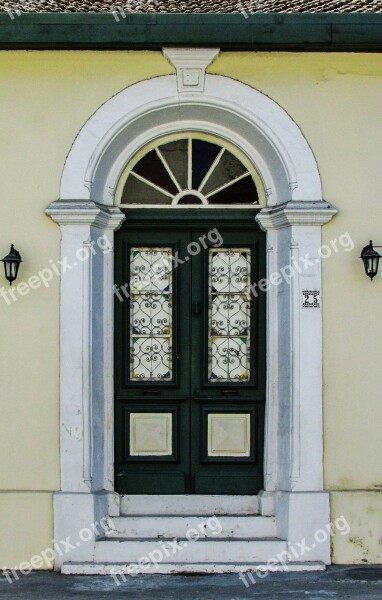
pixel 229 435
pixel 151 434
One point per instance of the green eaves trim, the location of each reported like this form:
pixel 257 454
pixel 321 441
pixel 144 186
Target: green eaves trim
pixel 288 32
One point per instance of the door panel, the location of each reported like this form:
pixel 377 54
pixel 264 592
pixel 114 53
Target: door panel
pixel 227 369
pixel 151 374
pixel 189 360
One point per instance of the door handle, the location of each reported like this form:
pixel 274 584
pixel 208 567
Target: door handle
pixel 197 308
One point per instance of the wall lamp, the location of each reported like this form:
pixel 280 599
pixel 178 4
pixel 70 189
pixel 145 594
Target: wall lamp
pixel 371 260
pixel 12 264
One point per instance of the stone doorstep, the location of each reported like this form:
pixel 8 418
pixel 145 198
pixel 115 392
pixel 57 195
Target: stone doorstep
pixel 185 505
pixel 174 526
pixel 202 551
pixel 183 568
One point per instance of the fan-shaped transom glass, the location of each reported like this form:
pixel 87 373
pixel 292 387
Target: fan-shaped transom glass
pixel 189 171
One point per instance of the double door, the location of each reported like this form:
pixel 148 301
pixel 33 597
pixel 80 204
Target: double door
pixel 189 358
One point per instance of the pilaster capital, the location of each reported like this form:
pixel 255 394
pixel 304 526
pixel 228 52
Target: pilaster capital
pixel 85 212
pixel 296 213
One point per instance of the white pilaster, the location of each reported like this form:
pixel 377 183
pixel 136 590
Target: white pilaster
pixel 86 376
pixel 86 244
pixel 294 463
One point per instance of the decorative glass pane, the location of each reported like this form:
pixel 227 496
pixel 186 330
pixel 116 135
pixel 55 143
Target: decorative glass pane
pixel 151 359
pixel 229 359
pixel 228 169
pixel 230 270
pixel 151 167
pixel 241 192
pixel 229 314
pixel 151 314
pixel 190 199
pixel 150 270
pixel 203 155
pixel 207 172
pixel 138 192
pixel 176 156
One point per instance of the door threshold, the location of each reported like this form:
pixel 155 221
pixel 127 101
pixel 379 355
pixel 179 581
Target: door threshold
pixel 188 504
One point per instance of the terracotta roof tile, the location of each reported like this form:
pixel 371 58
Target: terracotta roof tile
pixel 195 6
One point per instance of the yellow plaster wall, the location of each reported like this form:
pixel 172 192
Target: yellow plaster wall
pixel 363 543
pixel 26 526
pixel 336 100
pixel 45 99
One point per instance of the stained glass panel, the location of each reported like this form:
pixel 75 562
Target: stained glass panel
pixel 150 270
pixel 151 167
pixel 230 270
pixel 138 192
pixel 176 155
pixel 197 166
pixel 228 169
pixel 229 314
pixel 151 314
pixel 151 359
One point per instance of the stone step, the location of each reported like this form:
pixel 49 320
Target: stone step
pixel 233 526
pixel 120 571
pixel 183 551
pixel 189 505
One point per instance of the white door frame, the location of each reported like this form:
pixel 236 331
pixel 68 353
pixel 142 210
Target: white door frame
pixel 293 218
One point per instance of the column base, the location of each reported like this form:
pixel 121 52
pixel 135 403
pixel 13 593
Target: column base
pixel 303 518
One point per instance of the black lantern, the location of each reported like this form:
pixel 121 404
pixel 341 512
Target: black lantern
pixel 370 260
pixel 12 264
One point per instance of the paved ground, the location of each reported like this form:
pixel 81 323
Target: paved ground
pixel 350 583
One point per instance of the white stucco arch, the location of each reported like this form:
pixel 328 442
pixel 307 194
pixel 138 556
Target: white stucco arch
pixel 295 213
pixel 231 110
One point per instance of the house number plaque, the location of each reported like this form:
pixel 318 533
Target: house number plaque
pixel 311 299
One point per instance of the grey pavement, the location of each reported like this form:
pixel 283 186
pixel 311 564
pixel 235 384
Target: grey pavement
pixel 348 583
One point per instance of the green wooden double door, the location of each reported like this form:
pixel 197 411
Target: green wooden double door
pixel 189 356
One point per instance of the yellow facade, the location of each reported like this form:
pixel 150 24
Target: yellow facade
pixel 336 100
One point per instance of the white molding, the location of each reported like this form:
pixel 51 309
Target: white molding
pixel 293 218
pixel 76 212
pixel 148 110
pixel 296 213
pixel 191 65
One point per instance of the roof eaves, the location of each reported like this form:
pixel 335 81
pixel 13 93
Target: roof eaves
pixel 346 32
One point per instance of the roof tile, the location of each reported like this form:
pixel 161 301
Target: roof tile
pixel 195 6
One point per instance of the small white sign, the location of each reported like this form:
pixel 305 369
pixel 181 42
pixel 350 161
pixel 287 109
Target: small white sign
pixel 311 299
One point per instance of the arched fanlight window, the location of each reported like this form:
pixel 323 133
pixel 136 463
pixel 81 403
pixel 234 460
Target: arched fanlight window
pixel 189 171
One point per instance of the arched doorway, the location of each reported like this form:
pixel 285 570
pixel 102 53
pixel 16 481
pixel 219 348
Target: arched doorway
pixel 292 215
pixel 190 337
